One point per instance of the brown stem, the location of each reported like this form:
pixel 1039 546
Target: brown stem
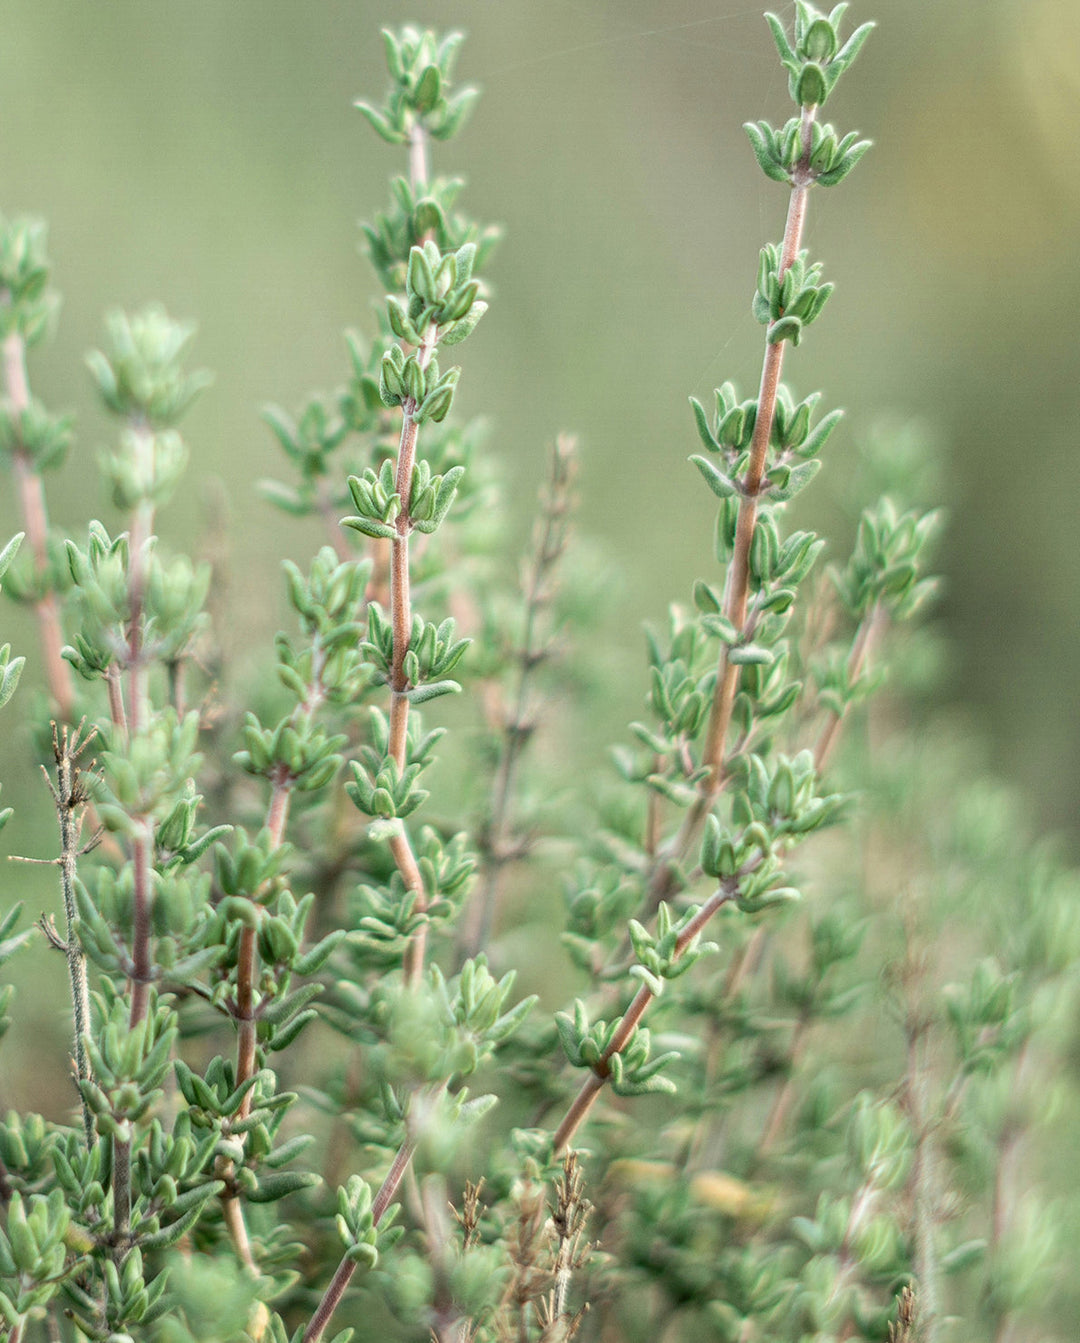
pixel 738 578
pixel 117 713
pixel 341 1279
pixel 401 625
pixel 140 927
pixel 866 637
pixel 594 1083
pixel 401 589
pixel 121 1189
pixel 35 521
pixel 401 597
pixel 737 584
pixel 245 1014
pixel 139 537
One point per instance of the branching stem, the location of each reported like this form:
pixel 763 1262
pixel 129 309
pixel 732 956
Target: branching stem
pixel 594 1083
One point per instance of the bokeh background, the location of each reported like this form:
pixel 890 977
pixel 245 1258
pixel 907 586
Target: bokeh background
pixel 206 154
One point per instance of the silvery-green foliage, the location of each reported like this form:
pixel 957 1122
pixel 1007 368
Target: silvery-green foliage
pixel 772 1078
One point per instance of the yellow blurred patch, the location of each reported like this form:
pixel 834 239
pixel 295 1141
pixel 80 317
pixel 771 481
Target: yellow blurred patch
pixel 714 1189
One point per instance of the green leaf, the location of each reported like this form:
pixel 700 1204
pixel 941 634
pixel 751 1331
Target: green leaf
pixel 720 484
pixel 9 552
pixel 389 133
pixel 761 142
pixel 432 690
pixel 370 527
pixel 428 90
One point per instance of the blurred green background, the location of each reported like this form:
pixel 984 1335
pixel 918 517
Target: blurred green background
pixel 207 154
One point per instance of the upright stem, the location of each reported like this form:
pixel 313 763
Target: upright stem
pixel 401 602
pixel 737 583
pixel 139 536
pixel 401 624
pixel 738 577
pixel 866 637
pixel 35 520
pixel 121 1190
pixel 548 547
pixel 594 1083
pixel 339 1283
pixel 418 155
pixel 782 1102
pixel 71 800
pixel 247 1030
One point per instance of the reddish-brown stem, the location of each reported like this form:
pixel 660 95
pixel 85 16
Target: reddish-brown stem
pixel 403 855
pixel 594 1083
pixel 121 1189
pixel 341 1279
pixel 139 537
pixel 117 713
pixel 140 927
pixel 35 521
pixel 401 625
pixel 866 637
pixel 401 600
pixel 245 1014
pixel 277 813
pixel 737 583
pixel 738 578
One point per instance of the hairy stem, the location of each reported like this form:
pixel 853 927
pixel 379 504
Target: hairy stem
pixel 35 520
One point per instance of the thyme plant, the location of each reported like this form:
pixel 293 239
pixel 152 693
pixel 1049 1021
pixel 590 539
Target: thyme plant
pixel 308 1101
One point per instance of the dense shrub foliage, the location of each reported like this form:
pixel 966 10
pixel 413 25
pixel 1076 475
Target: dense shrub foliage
pixel 822 978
